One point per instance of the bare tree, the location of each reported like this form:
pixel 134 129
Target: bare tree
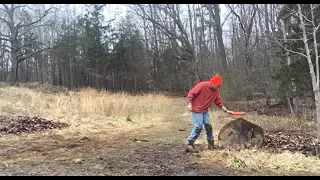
pixel 179 37
pixel 214 12
pixel 246 25
pixel 314 74
pixel 17 30
pixel 310 47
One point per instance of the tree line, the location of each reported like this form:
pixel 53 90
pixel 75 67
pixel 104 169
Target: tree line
pixel 163 47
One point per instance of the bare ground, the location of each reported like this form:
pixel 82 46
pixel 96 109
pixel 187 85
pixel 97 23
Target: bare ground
pixel 105 159
pixel 155 147
pixel 121 154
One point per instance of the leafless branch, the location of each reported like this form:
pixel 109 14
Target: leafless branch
pixel 16 7
pixel 4 35
pixel 251 21
pixel 241 24
pixel 1 9
pixel 291 10
pixel 26 31
pixel 305 41
pixel 26 45
pixel 306 18
pixel 32 54
pixel 290 39
pixel 289 49
pixel 4 39
pixel 316 29
pixel 5 45
pixel 147 17
pixel 228 16
pixel 30 24
pixel 5 21
pixel 6 7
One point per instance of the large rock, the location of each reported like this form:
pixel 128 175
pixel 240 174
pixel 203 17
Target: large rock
pixel 241 134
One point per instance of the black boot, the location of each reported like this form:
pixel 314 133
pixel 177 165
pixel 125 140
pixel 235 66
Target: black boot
pixel 211 145
pixel 191 148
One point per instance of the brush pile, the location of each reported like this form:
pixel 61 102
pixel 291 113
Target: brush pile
pixel 294 142
pixel 25 124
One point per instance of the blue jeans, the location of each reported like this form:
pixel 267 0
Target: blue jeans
pixel 200 119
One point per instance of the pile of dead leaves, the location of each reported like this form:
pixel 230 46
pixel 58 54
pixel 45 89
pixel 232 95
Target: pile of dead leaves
pixel 294 142
pixel 24 124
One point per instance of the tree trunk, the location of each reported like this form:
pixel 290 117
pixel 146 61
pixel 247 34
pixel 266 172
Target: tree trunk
pixel 266 15
pixel 59 73
pixel 53 70
pixel 27 71
pixel 222 50
pixel 70 84
pixel 292 112
pixel 314 75
pixel 155 46
pixel 317 101
pixel 14 67
pixel 7 69
pixel 286 30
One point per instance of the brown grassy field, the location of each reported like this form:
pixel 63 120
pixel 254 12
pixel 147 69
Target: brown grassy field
pixel 119 134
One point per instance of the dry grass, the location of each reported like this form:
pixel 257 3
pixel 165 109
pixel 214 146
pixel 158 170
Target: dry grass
pixel 87 111
pixel 274 123
pixel 259 161
pixel 269 123
pixel 263 163
pixel 99 115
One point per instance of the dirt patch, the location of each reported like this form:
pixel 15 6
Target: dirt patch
pixel 279 142
pixel 25 124
pixel 58 156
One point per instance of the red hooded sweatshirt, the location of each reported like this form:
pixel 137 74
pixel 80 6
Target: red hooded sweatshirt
pixel 202 96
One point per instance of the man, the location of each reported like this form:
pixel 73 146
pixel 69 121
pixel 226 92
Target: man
pixel 200 98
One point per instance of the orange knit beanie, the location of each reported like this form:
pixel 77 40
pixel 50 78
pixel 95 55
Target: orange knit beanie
pixel 216 80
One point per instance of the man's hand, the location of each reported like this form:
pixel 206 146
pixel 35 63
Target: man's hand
pixel 229 112
pixel 226 110
pixel 189 107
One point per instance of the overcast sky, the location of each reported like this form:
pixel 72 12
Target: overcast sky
pixel 116 10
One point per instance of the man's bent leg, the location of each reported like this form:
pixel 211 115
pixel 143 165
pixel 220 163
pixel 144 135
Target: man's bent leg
pixel 197 119
pixel 209 132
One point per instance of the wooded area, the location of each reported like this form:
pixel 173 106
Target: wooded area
pixel 267 49
pixel 89 89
